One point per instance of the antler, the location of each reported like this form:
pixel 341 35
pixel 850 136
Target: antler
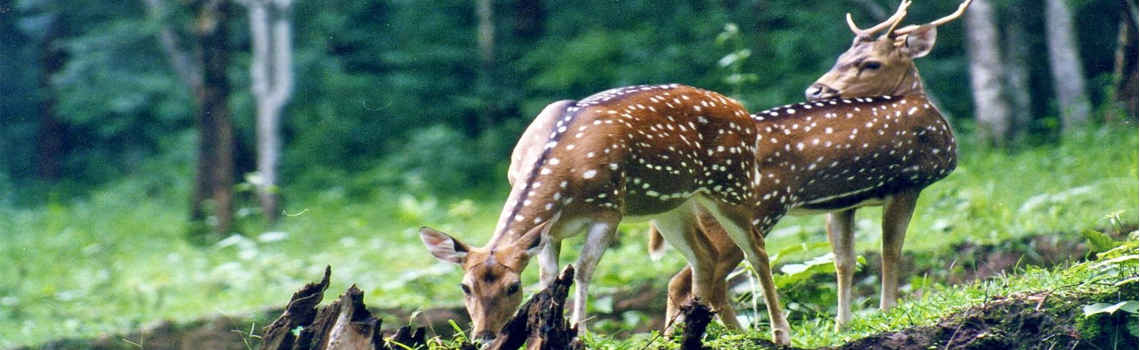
pixel 940 21
pixel 892 21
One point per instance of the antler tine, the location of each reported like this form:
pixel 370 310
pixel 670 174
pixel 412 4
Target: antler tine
pixel 943 20
pixel 892 21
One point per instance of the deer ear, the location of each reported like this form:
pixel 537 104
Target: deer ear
pixel 532 240
pixel 444 247
pixel 919 41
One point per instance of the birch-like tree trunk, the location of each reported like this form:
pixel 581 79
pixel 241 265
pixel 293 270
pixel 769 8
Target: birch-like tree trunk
pixel 1065 64
pixel 271 80
pixel 986 74
pixel 485 76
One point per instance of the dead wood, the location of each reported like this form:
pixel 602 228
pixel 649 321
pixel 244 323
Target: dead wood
pixel 697 318
pixel 540 322
pixel 346 324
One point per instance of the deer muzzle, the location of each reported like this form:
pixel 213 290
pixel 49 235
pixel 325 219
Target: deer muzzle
pixel 820 91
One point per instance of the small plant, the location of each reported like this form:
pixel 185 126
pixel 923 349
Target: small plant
pixel 734 60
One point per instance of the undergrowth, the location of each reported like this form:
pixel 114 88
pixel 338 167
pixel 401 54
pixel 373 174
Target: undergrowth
pixel 116 259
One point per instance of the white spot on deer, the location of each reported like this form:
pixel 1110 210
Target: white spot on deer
pixel 589 174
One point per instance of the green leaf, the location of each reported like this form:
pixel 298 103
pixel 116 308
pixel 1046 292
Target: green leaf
pixel 795 273
pixel 1098 241
pixel 1103 308
pixel 1131 306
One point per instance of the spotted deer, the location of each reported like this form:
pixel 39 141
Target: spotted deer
pixel 868 136
pixel 648 153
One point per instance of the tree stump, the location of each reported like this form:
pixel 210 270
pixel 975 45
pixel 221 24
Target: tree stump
pixel 697 317
pixel 346 324
pixel 540 323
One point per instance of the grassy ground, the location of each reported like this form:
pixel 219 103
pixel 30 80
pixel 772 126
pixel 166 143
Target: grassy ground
pixel 116 260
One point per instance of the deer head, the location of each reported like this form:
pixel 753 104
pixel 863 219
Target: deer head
pixel 492 288
pixel 883 65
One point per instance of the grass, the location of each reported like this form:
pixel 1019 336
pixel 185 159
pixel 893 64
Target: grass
pixel 116 260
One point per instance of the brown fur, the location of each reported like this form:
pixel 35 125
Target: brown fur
pixel 837 155
pixel 648 151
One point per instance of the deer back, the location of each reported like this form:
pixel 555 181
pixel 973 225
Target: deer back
pixel 841 153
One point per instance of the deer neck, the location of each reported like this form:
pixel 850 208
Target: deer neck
pixel 537 198
pixel 909 84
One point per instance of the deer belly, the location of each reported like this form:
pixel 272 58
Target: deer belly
pixel 835 204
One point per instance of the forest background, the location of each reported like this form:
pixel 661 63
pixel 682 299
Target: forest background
pixel 218 118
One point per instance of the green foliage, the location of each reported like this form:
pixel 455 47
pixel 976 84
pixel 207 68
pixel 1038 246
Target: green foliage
pixel 396 125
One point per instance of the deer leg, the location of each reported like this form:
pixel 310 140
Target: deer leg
pixel 598 238
pixel 841 233
pixel 728 257
pixel 736 221
pixel 725 265
pixel 680 230
pixel 548 262
pixel 897 211
pixel 679 292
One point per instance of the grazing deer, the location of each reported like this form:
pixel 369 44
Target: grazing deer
pixel 868 136
pixel 644 152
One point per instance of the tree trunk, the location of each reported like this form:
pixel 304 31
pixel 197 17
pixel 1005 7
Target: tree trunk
pixel 1124 74
pixel 51 130
pixel 202 66
pixel 1016 73
pixel 986 77
pixel 215 179
pixel 271 76
pixel 530 18
pixel 1065 64
pixel 485 76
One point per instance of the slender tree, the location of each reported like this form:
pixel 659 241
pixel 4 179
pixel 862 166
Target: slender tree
pixel 986 77
pixel 271 79
pixel 52 130
pixel 485 76
pixel 1065 64
pixel 202 65
pixel 1016 52
pixel 1124 73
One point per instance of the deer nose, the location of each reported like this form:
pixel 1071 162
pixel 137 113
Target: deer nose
pixel 485 337
pixel 820 91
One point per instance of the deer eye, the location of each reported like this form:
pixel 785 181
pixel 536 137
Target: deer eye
pixel 872 65
pixel 513 288
pixel 466 289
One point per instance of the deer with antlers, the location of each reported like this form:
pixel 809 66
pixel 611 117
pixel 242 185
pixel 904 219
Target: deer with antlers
pixel 868 136
pixel 644 152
